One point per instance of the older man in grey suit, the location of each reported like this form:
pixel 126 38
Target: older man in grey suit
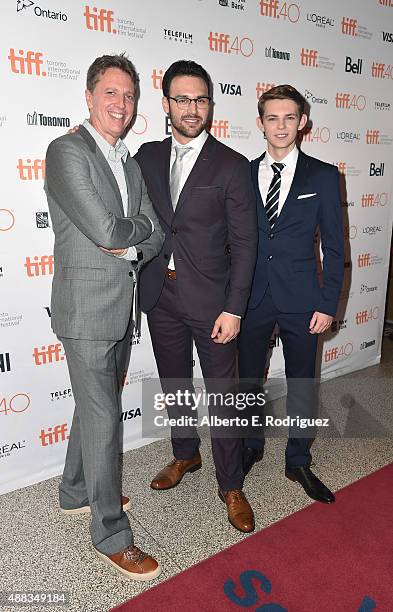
pixel 105 229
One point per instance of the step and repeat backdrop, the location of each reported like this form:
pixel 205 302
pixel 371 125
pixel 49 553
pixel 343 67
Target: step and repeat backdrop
pixel 338 54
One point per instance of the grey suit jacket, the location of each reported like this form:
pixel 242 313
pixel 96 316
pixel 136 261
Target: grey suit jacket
pixel 92 291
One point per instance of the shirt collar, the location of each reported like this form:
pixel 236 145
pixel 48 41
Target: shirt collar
pixel 195 144
pixel 289 160
pixel 119 151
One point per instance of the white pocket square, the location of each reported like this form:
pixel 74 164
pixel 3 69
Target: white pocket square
pixel 305 195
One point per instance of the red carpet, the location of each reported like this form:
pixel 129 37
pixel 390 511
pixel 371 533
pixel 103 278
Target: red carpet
pixel 335 558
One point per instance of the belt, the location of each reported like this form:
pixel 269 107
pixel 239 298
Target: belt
pixel 171 274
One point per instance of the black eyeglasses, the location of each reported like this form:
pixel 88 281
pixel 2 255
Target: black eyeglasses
pixel 183 102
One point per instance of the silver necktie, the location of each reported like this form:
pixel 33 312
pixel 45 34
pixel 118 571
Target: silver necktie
pixel 176 173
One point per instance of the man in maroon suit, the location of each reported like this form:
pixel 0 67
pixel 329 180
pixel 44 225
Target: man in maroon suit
pixel 198 287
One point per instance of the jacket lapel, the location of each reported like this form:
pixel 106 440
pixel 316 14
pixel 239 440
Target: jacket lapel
pixel 298 185
pixel 262 218
pixel 196 176
pixel 103 164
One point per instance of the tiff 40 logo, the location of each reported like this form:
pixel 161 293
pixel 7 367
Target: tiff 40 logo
pixel 223 43
pixel 14 405
pixel 276 9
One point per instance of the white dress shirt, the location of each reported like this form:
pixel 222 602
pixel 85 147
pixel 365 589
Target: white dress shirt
pixel 266 174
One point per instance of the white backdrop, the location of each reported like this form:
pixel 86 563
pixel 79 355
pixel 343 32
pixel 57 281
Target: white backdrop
pixel 339 55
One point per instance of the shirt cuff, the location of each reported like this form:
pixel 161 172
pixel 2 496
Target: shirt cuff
pixel 129 255
pixel 232 315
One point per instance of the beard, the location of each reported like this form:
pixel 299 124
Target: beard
pixel 185 129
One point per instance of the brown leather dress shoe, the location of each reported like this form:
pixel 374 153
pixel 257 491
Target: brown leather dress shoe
pixel 125 501
pixel 171 474
pixel 240 513
pixel 133 563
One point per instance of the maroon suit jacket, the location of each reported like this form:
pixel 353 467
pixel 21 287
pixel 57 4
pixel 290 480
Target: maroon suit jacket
pixel 212 233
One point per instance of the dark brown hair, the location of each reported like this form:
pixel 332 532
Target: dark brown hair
pixel 282 92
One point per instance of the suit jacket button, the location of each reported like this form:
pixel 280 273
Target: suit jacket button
pixel 130 274
pixel 166 256
pixel 271 236
pixel 270 257
pixel 174 231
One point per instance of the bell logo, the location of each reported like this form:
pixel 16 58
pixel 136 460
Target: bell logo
pixel 41 266
pixel 31 170
pixel 48 354
pixel 364 260
pixel 31 64
pixel 221 43
pixel 354 67
pixel 99 21
pixel 262 87
pixel 309 57
pixel 220 129
pixel 349 26
pixel 5 365
pixel 53 435
pixel 156 78
pixel 372 137
pixel 377 170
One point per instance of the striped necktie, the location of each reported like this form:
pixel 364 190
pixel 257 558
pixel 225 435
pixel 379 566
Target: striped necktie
pixel 273 194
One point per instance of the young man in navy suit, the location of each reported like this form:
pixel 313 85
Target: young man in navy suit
pixel 296 194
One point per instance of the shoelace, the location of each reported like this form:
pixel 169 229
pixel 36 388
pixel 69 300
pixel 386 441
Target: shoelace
pixel 134 554
pixel 237 496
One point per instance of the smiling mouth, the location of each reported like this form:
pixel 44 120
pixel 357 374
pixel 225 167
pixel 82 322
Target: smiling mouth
pixel 118 116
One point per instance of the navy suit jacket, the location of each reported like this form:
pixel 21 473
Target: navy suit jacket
pixel 286 254
pixel 212 233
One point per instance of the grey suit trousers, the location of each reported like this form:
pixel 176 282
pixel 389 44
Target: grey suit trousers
pixel 91 472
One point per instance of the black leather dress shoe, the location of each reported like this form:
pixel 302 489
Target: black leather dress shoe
pixel 311 484
pixel 251 456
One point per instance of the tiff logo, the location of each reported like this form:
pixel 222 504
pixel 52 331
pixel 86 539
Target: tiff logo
pixel 269 8
pixel 331 354
pixel 374 199
pixel 31 64
pixel 378 70
pixel 31 170
pixel 48 354
pixel 364 260
pixel 349 26
pixel 156 78
pixel 53 435
pixel 99 21
pixel 219 42
pixel 342 100
pixel 41 266
pixel 262 87
pixel 309 57
pixel 367 200
pixel 372 136
pixel 5 365
pixel 220 129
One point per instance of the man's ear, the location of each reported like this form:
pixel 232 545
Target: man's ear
pixel 303 122
pixel 89 98
pixel 165 105
pixel 260 125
